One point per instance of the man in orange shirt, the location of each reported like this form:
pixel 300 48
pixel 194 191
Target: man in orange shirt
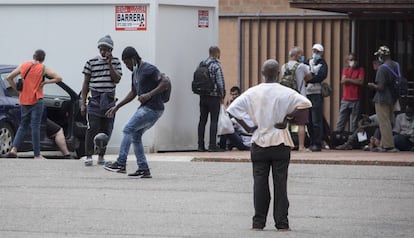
pixel 31 99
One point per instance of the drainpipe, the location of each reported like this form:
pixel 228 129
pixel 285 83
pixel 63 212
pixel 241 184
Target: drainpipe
pixel 353 36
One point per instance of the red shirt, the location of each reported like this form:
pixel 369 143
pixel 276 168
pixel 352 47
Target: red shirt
pixel 32 91
pixel 352 92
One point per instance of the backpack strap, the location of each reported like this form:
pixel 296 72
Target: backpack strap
pixel 295 66
pixel 24 77
pixel 392 71
pixel 44 73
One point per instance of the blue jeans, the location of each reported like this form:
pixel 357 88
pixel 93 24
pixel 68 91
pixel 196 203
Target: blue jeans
pixel 30 114
pixel 315 125
pixel 143 119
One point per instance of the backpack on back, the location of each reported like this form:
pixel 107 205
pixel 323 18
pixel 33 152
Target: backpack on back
pixel 167 93
pixel 289 78
pixel 400 85
pixel 202 83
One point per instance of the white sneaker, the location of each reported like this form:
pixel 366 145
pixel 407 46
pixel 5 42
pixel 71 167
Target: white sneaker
pixel 88 161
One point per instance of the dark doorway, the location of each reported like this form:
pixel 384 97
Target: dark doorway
pixel 398 35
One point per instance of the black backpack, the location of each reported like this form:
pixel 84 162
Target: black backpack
pixel 167 93
pixel 202 83
pixel 400 85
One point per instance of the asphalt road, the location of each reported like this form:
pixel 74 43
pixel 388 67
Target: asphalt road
pixel 62 198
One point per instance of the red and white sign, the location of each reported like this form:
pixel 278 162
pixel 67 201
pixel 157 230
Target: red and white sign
pixel 203 18
pixel 131 18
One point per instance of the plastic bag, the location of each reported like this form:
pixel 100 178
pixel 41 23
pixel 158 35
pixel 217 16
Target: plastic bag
pixel 224 125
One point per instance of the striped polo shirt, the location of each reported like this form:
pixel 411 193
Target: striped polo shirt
pixel 98 69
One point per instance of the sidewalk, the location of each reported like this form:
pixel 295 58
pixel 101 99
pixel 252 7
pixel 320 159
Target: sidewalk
pixel 350 157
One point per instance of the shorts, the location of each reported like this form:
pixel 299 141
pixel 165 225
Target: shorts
pixel 301 117
pixel 51 128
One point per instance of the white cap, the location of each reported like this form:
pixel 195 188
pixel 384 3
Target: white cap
pixel 317 47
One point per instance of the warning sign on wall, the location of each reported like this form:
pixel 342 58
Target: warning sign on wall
pixel 203 18
pixel 131 18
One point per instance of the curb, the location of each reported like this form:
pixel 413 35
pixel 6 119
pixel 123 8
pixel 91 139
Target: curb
pixel 310 161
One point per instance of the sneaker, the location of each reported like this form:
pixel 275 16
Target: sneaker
pixel 68 156
pixel 88 161
pixel 215 149
pixel 9 155
pixel 101 161
pixel 345 146
pixel 143 173
pixel 201 149
pixel 315 148
pixel 115 167
pixel 382 149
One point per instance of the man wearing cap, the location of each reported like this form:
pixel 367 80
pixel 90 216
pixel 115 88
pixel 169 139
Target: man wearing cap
pixel 383 99
pixel 102 73
pixel 319 70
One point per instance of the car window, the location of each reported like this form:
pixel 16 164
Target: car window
pixel 54 90
pixel 9 89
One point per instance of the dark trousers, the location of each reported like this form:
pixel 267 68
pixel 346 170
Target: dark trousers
pixel 97 125
pixel 403 143
pixel 208 105
pixel 315 125
pixel 263 159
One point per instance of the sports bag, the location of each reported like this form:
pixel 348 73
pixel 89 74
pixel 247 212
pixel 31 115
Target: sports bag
pixel 326 89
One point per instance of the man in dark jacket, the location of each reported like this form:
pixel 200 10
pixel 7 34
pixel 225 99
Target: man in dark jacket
pixel 319 70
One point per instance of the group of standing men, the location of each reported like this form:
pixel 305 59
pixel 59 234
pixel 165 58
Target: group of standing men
pixel 309 75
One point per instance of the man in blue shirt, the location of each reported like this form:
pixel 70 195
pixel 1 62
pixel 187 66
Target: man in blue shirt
pixel 148 86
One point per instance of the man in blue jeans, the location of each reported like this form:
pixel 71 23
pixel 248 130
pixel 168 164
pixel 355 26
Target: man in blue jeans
pixel 33 74
pixel 148 86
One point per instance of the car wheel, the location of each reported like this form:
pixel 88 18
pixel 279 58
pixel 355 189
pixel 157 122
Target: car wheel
pixel 6 138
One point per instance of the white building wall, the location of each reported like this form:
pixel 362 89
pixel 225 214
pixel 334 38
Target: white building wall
pixel 69 30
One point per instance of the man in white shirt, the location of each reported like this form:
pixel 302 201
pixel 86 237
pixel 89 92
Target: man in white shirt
pixel 302 75
pixel 269 105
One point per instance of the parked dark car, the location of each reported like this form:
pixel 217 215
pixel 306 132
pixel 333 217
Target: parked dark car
pixel 61 106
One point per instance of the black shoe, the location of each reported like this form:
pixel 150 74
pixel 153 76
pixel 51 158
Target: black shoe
pixel 143 173
pixel 115 167
pixel 9 155
pixel 315 148
pixel 215 149
pixel 345 146
pixel 69 156
pixel 201 149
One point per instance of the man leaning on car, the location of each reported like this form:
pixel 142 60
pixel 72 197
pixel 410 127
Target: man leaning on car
pixel 31 99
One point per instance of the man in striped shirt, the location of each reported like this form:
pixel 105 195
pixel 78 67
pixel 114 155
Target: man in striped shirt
pixel 102 73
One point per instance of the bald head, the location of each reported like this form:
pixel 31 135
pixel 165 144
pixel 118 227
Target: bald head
pixel 270 70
